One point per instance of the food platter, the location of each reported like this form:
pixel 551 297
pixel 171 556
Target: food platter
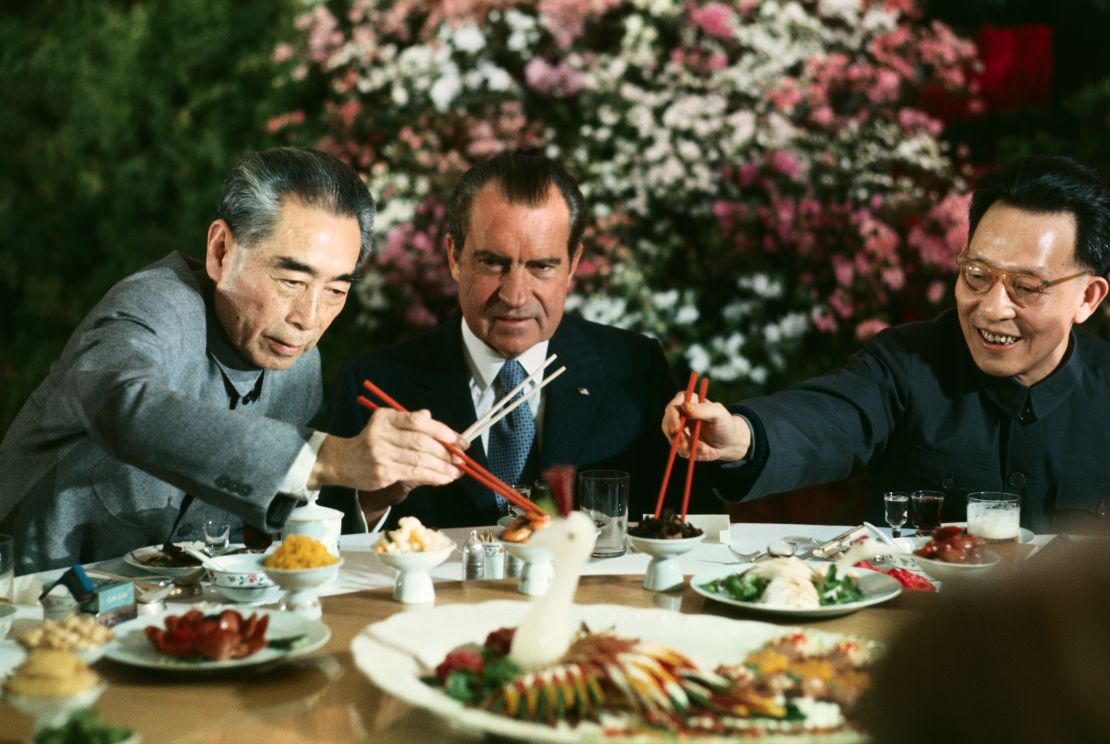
pixel 138 558
pixel 876 587
pixel 131 646
pixel 397 653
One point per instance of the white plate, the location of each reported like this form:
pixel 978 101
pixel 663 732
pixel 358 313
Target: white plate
pixel 136 557
pixel 876 588
pixel 396 653
pixel 132 647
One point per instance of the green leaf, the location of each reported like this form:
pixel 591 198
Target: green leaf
pixel 284 644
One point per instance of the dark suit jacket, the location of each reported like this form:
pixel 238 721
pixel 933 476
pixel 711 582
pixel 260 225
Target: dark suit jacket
pixel 603 412
pixel 913 408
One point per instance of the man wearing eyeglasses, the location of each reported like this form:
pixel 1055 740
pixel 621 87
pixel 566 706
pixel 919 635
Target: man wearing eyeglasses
pixel 1001 394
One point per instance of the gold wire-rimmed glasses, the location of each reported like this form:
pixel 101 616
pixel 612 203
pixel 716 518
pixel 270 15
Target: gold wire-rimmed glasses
pixel 1024 289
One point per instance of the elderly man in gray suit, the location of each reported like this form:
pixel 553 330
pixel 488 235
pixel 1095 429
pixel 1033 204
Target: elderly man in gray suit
pixel 196 380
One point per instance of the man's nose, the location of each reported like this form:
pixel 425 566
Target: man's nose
pixel 996 302
pixel 305 310
pixel 514 287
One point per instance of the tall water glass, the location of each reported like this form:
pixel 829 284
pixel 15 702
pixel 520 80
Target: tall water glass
pixel 603 496
pixel 994 516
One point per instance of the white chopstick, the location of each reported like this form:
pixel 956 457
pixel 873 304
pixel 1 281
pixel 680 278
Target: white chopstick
pixel 480 423
pixel 493 416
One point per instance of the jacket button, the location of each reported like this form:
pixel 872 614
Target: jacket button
pixel 948 482
pixel 222 481
pixel 1017 480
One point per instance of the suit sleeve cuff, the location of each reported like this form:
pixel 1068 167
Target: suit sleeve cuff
pixel 296 480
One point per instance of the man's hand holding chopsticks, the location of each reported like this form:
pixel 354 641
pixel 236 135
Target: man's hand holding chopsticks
pixel 724 436
pixel 396 450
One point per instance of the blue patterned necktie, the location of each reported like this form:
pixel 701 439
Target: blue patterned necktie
pixel 510 439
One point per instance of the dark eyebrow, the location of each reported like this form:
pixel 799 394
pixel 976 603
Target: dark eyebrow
pixel 292 264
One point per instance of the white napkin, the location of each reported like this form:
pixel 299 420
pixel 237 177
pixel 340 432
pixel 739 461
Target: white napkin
pixel 26 590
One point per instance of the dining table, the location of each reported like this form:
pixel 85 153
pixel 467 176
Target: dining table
pixel 324 697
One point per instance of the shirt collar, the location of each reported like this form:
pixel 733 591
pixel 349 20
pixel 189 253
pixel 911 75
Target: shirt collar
pixel 239 372
pixel 1031 403
pixel 484 362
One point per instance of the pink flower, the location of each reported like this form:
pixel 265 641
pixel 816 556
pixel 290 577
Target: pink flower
pixel 822 116
pixel 843 270
pixel 560 81
pixel 715 19
pixel 936 291
pixel 282 53
pixel 869 328
pixel 894 277
pixel 784 162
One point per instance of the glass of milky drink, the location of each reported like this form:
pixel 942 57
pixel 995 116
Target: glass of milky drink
pixel 994 516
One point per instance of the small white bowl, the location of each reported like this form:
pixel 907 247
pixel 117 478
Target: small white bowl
pixel 414 584
pixel 250 594
pixel 664 572
pixel 237 572
pixel 54 711
pixel 301 585
pixel 944 571
pixel 7 616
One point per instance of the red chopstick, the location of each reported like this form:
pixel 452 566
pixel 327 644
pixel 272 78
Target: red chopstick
pixel 693 450
pixel 471 468
pixel 674 447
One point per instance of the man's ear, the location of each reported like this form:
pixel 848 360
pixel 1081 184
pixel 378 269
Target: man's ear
pixel 453 258
pixel 1093 295
pixel 220 242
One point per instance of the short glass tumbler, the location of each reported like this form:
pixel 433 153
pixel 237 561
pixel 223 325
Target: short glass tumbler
pixel 926 510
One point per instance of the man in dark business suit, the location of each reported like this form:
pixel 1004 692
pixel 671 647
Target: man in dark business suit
pixel 1003 394
pixel 515 225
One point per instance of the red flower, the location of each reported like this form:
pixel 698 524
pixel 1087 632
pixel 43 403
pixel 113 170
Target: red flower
pixel 1017 66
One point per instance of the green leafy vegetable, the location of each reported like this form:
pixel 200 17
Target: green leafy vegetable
pixel 83 727
pixel 741 587
pixel 284 644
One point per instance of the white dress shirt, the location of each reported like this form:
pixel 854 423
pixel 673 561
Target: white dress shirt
pixel 484 364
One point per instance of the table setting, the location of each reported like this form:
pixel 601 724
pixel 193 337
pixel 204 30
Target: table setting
pixel 363 625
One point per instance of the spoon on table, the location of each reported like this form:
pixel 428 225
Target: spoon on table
pixel 777 549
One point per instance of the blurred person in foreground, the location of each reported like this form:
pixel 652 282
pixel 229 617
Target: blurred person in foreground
pixel 194 379
pixel 1003 393
pixel 1016 659
pixel 515 226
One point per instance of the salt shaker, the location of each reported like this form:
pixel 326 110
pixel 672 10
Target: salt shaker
pixel 473 558
pixel 494 557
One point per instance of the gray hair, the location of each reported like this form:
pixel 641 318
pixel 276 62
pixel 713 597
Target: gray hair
pixel 255 188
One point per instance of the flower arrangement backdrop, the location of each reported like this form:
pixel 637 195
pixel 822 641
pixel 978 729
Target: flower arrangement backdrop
pixel 766 179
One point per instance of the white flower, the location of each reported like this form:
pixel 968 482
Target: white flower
pixel 468 39
pixel 687 315
pixel 846 9
pixel 697 358
pixel 446 88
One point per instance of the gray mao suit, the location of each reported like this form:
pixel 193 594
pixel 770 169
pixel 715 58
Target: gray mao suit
pixel 136 413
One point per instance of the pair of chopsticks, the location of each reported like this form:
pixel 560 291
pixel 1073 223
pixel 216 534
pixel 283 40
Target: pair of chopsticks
pixel 471 468
pixel 503 407
pixel 695 435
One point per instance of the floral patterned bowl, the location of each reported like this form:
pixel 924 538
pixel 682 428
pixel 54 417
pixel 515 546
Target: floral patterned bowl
pixel 238 572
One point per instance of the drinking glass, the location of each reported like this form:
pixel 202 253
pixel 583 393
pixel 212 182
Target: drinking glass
pixel 926 510
pixel 216 535
pixel 603 496
pixel 7 568
pixel 896 510
pixel 994 516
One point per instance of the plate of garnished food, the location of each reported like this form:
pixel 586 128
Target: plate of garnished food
pixel 795 588
pixel 206 639
pixel 157 559
pixel 629 675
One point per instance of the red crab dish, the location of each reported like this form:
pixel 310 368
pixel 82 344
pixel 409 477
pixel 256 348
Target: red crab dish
pixel 210 637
